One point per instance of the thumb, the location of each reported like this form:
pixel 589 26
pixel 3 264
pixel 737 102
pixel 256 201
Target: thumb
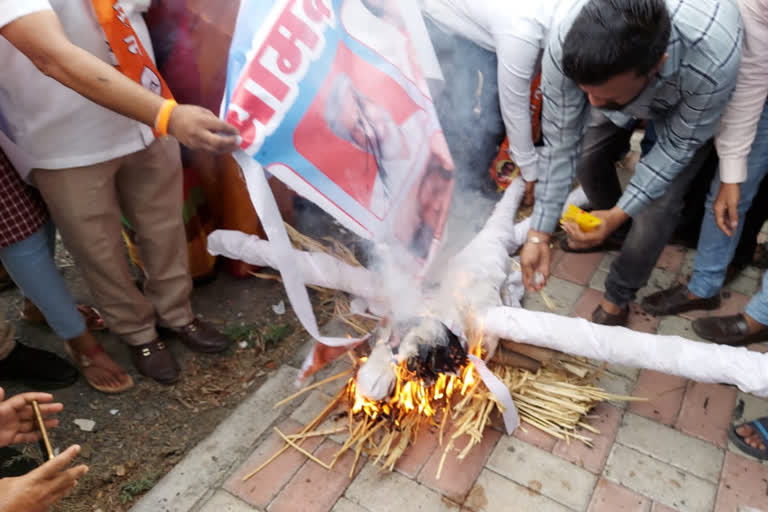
pixel 58 463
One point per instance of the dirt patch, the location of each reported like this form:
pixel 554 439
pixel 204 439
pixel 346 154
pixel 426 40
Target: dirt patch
pixel 140 435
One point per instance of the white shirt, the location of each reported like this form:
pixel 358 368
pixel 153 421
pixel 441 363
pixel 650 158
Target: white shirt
pixel 738 125
pixel 517 31
pixel 52 125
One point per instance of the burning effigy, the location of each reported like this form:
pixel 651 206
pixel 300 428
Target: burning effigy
pixel 429 370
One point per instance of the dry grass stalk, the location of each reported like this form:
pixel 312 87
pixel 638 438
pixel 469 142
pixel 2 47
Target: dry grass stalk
pixel 301 450
pixel 313 386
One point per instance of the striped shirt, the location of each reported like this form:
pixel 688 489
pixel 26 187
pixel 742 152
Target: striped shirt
pixel 685 100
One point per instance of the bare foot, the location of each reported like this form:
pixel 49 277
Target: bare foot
pixel 97 367
pixel 751 437
pixel 610 307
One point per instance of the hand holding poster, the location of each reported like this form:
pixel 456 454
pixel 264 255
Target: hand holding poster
pixel 331 98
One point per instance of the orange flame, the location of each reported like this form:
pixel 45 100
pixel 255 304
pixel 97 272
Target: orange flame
pixel 412 395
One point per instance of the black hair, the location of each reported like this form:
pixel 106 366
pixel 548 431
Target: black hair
pixel 611 37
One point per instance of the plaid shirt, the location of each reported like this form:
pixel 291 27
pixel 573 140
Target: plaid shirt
pixel 22 210
pixel 685 99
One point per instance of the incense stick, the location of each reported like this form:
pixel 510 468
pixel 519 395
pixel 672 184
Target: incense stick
pixel 43 431
pixel 300 449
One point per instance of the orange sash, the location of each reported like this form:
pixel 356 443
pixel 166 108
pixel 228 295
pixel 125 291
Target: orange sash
pixel 130 57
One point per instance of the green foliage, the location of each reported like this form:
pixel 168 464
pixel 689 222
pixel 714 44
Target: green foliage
pixel 134 488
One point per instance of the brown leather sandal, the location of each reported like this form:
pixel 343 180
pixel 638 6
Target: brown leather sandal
pixel 84 360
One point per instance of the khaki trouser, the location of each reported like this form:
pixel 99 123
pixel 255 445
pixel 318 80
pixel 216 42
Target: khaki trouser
pixel 86 203
pixel 7 336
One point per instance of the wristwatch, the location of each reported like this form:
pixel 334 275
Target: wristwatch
pixel 536 240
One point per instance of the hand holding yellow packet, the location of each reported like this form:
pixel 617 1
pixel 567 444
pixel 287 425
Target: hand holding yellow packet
pixel 586 221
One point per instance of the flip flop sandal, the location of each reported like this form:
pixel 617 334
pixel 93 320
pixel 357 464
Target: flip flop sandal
pixel 760 427
pixel 84 360
pixel 93 319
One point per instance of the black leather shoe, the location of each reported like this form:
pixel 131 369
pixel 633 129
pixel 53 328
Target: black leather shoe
pixel 675 300
pixel 202 337
pixel 38 369
pixel 602 317
pixel 728 330
pixel 154 360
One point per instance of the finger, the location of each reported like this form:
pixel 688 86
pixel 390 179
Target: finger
pixel 22 400
pixel 733 215
pixel 218 143
pixel 218 125
pixel 65 480
pixel 28 413
pixel 58 463
pixel 720 219
pixel 2 394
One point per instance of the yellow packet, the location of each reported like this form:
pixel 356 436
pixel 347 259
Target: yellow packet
pixel 586 221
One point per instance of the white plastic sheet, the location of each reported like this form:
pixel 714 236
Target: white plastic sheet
pixel 702 362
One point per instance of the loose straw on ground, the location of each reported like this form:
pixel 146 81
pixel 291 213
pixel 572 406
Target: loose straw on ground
pixel 314 386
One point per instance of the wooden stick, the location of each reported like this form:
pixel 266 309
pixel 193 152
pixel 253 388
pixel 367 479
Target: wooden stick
pixel 313 386
pixel 301 450
pixel 542 355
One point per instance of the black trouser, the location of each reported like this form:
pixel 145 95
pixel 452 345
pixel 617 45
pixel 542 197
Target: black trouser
pixel 472 123
pixel 651 230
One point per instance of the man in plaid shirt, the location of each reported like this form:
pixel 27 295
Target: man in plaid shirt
pixel 610 63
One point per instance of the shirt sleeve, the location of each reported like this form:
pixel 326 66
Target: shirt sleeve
pixel 563 123
pixel 706 91
pixel 739 123
pixel 11 10
pixel 517 59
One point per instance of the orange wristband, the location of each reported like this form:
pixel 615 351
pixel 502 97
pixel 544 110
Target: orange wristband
pixel 164 116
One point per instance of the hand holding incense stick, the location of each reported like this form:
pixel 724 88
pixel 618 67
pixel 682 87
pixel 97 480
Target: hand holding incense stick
pixel 43 431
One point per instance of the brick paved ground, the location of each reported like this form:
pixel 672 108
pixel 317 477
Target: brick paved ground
pixel 670 453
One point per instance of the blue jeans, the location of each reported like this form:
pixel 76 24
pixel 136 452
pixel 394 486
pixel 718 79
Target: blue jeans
pixel 715 250
pixel 30 264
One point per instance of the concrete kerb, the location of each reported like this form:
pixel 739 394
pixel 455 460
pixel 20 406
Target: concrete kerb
pixel 195 479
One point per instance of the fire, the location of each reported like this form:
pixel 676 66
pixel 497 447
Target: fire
pixel 413 395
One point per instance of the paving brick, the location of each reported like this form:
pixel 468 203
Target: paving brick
pixel 688 261
pixel 345 505
pixel 548 474
pixel 597 282
pixel 562 293
pixel 671 447
pixel 606 420
pixel 225 502
pixel 641 321
pixel 535 436
pixel 664 393
pixel 607 261
pixel 378 491
pixel 617 385
pixel 314 405
pixel 587 304
pixel 671 258
pixel 209 461
pixel 494 493
pixel 706 412
pixel 659 279
pixel 416 455
pixel 744 284
pixel 261 488
pixel 744 484
pixel 577 268
pixel 609 497
pixel 732 303
pixel 314 488
pixel 659 507
pixel 659 481
pixel 457 476
pixel 677 326
pixel 628 372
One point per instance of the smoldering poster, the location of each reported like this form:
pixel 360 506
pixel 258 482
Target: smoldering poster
pixel 331 97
